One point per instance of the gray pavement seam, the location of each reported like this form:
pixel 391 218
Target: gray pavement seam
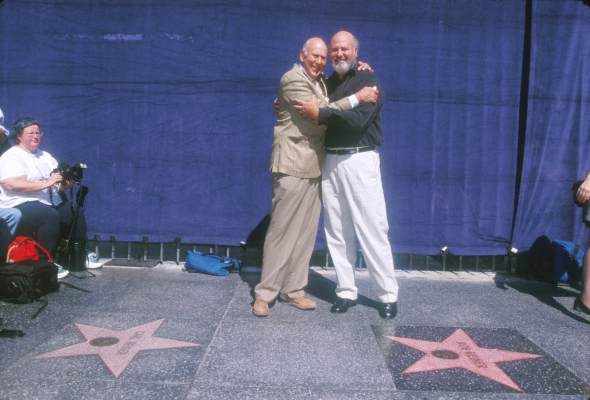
pixel 215 334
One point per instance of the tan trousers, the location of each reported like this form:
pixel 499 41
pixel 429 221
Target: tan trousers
pixel 290 237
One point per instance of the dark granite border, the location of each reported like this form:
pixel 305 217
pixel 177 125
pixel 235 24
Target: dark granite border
pixel 542 375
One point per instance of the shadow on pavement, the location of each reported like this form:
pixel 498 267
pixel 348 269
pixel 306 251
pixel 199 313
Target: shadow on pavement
pixel 318 286
pixel 544 292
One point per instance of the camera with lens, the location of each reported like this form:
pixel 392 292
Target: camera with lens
pixel 71 174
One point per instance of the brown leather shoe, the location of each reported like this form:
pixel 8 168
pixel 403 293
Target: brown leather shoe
pixel 260 308
pixel 302 303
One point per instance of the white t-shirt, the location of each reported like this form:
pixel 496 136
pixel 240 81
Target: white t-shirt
pixel 36 166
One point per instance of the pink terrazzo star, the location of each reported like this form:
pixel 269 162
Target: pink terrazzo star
pixel 459 351
pixel 117 348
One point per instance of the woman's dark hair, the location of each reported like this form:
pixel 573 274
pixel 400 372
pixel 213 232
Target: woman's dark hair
pixel 21 124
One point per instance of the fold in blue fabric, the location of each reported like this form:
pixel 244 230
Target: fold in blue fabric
pixel 170 105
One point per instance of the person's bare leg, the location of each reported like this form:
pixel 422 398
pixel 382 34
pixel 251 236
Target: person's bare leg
pixel 585 296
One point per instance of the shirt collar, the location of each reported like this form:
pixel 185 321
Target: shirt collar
pixel 319 78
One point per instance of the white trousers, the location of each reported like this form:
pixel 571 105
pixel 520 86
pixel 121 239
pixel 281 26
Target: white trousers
pixel 354 209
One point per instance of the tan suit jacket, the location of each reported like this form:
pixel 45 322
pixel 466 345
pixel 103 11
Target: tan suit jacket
pixel 298 145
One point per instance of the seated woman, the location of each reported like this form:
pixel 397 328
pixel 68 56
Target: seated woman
pixel 28 182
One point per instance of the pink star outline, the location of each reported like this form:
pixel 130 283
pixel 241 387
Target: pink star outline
pixel 459 351
pixel 118 348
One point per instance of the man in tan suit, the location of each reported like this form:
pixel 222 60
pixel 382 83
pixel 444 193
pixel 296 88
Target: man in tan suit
pixel 296 160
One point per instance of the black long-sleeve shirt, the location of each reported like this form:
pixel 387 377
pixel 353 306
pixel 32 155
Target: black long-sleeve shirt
pixel 360 126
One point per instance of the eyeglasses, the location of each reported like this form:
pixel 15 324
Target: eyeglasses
pixel 33 134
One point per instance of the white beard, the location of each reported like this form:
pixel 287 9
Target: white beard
pixel 343 67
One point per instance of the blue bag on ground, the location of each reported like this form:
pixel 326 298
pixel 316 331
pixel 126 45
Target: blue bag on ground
pixel 568 260
pixel 210 263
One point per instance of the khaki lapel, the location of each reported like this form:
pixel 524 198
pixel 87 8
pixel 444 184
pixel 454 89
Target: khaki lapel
pixel 318 87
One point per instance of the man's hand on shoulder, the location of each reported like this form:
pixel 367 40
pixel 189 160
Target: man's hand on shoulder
pixel 308 109
pixel 583 192
pixel 368 94
pixel 363 66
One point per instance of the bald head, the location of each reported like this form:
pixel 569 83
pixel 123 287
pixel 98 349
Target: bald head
pixel 343 52
pixel 313 56
pixel 314 42
pixel 347 36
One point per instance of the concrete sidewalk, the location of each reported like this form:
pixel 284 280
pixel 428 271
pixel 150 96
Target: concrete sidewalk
pixel 161 333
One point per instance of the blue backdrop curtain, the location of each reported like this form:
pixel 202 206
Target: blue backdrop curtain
pixel 452 78
pixel 169 103
pixel 557 143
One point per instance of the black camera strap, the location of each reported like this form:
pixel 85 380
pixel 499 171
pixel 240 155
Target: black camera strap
pixel 62 196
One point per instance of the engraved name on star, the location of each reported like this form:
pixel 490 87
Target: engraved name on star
pixel 117 348
pixel 459 351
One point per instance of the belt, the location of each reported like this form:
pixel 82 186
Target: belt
pixel 350 150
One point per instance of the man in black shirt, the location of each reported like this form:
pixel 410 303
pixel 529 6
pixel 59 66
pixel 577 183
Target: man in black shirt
pixel 352 191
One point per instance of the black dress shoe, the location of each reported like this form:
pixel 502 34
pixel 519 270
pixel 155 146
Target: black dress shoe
pixel 341 305
pixel 580 306
pixel 388 310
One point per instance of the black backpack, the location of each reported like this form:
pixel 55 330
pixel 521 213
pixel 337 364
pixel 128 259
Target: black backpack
pixel 539 260
pixel 26 282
